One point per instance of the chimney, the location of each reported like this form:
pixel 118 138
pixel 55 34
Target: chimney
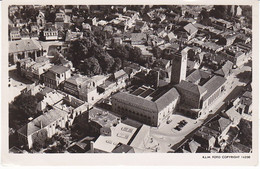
pixel 41 125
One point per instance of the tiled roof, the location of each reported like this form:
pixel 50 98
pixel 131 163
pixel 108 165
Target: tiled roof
pixel 50 75
pixel 166 99
pixel 44 120
pixel 193 88
pixel 77 79
pixel 190 28
pixel 213 84
pixel 119 74
pixel 219 125
pixel 225 70
pixel 58 69
pixel 197 75
pixel 138 101
pixel 122 148
pixel 23 45
pixel 206 133
pixel 138 37
pixel 141 102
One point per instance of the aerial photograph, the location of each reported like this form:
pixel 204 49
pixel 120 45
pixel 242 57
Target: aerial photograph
pixel 130 79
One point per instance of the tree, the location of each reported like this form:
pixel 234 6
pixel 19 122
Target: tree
pixel 101 36
pixel 219 11
pixel 36 146
pixel 27 104
pixel 245 134
pixel 39 139
pixel 106 62
pixel 157 52
pixel 90 66
pixel 204 17
pixel 117 64
pixel 119 51
pixel 135 54
pixel 79 50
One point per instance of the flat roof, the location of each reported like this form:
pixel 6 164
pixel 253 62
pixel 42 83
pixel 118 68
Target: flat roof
pixel 121 133
pixel 103 118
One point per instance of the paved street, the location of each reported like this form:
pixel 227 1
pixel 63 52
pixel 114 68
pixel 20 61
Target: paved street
pixel 167 134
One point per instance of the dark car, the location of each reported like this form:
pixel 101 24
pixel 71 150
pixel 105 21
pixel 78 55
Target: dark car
pixel 177 128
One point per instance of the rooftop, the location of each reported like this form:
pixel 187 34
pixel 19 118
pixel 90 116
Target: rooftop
pixel 121 133
pixel 42 121
pixel 138 37
pixel 193 88
pixel 122 148
pixel 103 118
pixel 213 84
pixel 198 76
pixel 149 102
pixel 225 70
pixel 219 125
pixel 206 133
pixel 23 45
pixel 59 69
pixel 77 79
pixel 190 28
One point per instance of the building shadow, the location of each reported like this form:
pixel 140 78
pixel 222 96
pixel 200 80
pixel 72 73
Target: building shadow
pixel 13 74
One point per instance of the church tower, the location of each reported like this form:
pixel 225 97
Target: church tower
pixel 179 66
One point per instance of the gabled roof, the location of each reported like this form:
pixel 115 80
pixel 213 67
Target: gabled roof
pixel 190 28
pixel 231 114
pixel 58 69
pixel 77 79
pixel 122 148
pixel 43 120
pixel 213 84
pixel 193 146
pixel 193 88
pixel 219 125
pixel 138 37
pixel 119 74
pixel 225 70
pixel 23 45
pixel 198 75
pixel 205 133
pixel 166 99
pixel 171 35
pixel 146 104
